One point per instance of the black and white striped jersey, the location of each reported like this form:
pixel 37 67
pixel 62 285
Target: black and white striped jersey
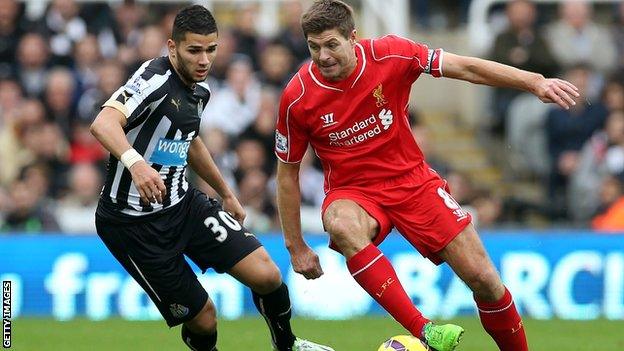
pixel 163 117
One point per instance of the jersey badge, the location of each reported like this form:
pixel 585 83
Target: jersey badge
pixel 178 311
pixel 378 95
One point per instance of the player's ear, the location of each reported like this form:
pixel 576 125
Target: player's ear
pixel 353 37
pixel 171 47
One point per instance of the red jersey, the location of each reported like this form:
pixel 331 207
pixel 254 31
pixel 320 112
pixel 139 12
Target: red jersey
pixel 359 126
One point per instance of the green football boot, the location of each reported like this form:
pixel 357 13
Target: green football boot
pixel 442 337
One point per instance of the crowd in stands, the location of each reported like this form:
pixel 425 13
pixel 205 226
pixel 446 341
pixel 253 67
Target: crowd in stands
pixel 58 69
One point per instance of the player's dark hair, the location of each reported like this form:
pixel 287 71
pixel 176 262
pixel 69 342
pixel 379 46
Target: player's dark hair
pixel 194 19
pixel 328 14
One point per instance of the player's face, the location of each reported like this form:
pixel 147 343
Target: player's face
pixel 193 56
pixel 333 54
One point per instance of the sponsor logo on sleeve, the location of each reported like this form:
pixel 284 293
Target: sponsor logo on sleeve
pixel 281 142
pixel 137 86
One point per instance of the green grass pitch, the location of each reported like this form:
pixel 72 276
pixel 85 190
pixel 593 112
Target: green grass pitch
pixel 250 334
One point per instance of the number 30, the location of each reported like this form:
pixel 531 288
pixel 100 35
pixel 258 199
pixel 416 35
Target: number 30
pixel 221 233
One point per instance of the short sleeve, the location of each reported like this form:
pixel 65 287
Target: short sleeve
pixel 138 92
pixel 413 58
pixel 291 139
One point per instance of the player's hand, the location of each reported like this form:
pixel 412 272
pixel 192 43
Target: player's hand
pixel 306 262
pixel 558 91
pixel 148 182
pixel 231 205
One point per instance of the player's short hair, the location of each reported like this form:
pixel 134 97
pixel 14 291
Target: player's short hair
pixel 328 14
pixel 194 19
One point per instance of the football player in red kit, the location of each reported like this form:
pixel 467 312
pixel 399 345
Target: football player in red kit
pixel 350 104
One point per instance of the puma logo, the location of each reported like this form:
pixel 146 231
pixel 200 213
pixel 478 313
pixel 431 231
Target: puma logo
pixel 176 103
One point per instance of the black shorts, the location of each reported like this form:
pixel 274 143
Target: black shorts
pixel 152 251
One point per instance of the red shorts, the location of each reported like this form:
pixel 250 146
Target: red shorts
pixel 418 204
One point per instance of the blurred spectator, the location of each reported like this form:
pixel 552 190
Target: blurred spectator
pixel 263 127
pixel 84 148
pixel 48 147
pixel 291 35
pixel 461 186
pixel 59 96
pixel 13 151
pixel 129 16
pixel 253 193
pixel 150 46
pixel 611 216
pixel 221 152
pixel 27 211
pixel 234 107
pixel 521 46
pixel 87 57
pixel 10 33
pixel 567 131
pixel 31 67
pixel 311 183
pixel 487 209
pixel 248 40
pixel 526 136
pixel 618 35
pixel 227 50
pixel 575 38
pixel 423 139
pixel 65 29
pixel 110 76
pixel 100 21
pixel 250 156
pixel 75 211
pixel 276 65
pixel 601 156
pixel 10 98
pixel 613 93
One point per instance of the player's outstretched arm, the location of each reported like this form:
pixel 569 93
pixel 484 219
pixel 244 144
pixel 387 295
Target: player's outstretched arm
pixel 107 128
pixel 304 260
pixel 480 71
pixel 201 162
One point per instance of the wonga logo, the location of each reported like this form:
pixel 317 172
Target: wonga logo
pixel 170 152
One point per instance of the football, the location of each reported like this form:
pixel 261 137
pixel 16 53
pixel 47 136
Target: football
pixel 403 343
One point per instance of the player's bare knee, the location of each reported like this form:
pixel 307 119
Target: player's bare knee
pixel 268 279
pixel 206 320
pixel 485 284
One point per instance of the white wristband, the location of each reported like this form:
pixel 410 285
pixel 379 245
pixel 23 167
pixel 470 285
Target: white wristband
pixel 130 157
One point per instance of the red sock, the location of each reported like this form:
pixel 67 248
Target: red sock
pixel 372 270
pixel 502 321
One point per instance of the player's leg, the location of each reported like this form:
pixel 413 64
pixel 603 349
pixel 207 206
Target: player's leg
pixel 468 258
pixel 227 246
pixel 200 333
pixel 352 229
pixel 270 294
pixel 165 276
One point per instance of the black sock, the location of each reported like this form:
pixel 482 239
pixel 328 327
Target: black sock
pixel 199 342
pixel 275 308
